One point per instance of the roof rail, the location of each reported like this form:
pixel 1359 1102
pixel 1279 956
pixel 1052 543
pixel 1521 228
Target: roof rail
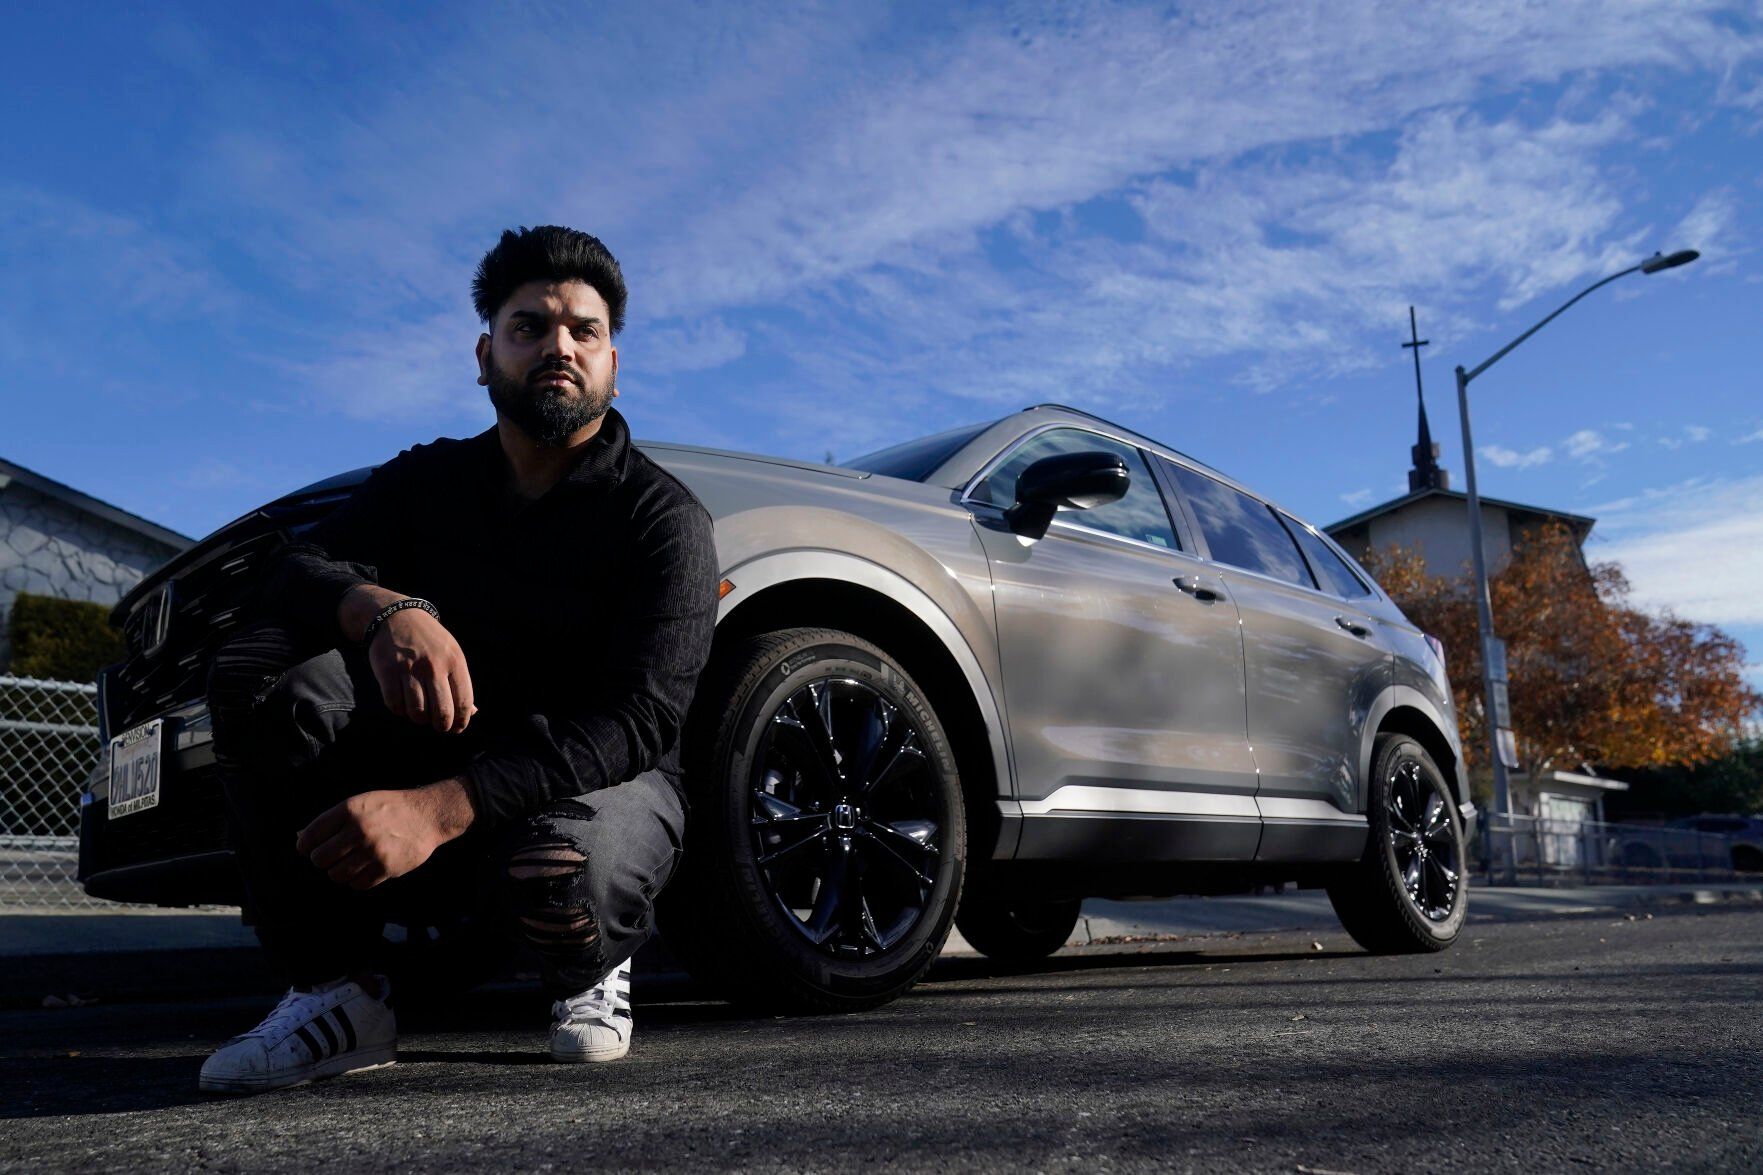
pixel 1079 412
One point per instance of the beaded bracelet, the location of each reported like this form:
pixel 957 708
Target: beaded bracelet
pixel 396 606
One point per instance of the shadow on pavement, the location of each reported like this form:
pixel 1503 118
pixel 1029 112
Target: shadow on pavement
pixel 47 1087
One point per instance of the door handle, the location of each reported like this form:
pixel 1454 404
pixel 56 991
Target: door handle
pixel 1192 586
pixel 1358 630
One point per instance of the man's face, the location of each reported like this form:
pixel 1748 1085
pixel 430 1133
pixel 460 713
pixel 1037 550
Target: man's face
pixel 549 361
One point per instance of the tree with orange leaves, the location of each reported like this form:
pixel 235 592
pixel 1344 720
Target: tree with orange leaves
pixel 1593 679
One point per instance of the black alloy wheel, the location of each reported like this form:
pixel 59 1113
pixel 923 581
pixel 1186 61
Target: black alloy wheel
pixel 827 840
pixel 846 817
pixel 1428 857
pixel 1408 893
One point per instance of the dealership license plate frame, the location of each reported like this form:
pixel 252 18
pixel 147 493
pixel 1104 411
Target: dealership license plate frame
pixel 137 763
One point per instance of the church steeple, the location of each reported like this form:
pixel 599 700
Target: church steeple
pixel 1426 474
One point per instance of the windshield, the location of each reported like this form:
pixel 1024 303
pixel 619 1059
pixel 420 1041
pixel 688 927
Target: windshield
pixel 917 460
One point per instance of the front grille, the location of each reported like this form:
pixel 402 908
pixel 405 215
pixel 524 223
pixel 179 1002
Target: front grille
pixel 207 600
pixel 190 818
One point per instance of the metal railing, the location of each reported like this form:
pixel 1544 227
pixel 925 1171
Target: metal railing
pixel 1539 850
pixel 49 749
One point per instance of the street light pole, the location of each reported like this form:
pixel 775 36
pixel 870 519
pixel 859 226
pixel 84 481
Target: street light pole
pixel 1497 719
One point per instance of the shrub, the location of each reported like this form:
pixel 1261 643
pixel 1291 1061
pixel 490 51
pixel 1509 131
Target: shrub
pixel 67 640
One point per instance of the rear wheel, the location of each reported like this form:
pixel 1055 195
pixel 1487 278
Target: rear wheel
pixel 1016 932
pixel 827 841
pixel 1408 893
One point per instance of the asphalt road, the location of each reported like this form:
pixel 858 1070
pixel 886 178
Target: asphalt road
pixel 1610 1041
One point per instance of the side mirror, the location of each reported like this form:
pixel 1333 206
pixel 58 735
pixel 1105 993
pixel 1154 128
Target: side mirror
pixel 1079 481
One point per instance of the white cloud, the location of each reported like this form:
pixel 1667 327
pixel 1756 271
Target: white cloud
pixel 860 188
pixel 1745 440
pixel 1708 227
pixel 1591 446
pixel 76 248
pixel 1693 434
pixel 1357 497
pixel 1696 548
pixel 1512 459
pixel 421 371
pixel 686 346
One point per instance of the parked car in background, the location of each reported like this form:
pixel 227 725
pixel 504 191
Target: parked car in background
pixel 1712 840
pixel 972 679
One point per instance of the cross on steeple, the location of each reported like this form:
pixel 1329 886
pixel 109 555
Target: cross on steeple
pixel 1426 474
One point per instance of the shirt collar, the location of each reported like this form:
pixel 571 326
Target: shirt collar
pixel 601 465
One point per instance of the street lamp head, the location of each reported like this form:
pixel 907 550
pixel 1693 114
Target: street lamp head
pixel 1660 261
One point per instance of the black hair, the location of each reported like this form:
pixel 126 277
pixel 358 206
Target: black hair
pixel 548 252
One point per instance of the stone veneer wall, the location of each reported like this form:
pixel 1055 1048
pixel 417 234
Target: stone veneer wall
pixel 52 549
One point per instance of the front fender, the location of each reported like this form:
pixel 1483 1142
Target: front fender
pixel 1407 697
pixel 778 567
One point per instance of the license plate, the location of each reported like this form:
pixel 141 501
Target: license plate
pixel 134 769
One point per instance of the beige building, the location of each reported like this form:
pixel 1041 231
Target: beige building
pixel 1433 518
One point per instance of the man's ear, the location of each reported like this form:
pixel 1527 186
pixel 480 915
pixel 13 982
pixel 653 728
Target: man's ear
pixel 483 360
pixel 615 373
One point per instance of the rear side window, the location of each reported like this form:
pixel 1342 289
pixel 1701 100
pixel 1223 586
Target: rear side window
pixel 1329 567
pixel 1138 515
pixel 1241 530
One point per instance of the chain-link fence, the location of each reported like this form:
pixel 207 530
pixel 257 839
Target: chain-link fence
pixel 1538 850
pixel 48 750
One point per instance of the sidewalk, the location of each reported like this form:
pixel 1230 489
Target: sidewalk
pixel 150 953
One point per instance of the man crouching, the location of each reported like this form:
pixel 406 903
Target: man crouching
pixel 459 698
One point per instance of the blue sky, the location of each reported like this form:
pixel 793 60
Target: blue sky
pixel 238 239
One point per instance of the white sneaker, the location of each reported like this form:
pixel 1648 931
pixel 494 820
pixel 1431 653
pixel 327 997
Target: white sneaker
pixel 337 1028
pixel 595 1025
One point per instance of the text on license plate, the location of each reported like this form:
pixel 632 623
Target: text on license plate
pixel 134 769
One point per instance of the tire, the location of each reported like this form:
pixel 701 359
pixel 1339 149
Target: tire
pixel 1016 933
pixel 800 890
pixel 1746 859
pixel 1415 829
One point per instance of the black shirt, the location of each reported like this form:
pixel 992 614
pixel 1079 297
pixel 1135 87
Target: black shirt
pixel 585 616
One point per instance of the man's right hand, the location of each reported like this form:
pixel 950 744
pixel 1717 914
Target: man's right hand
pixel 419 666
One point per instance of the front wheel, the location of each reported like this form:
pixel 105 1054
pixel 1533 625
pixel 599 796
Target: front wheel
pixel 1408 893
pixel 827 841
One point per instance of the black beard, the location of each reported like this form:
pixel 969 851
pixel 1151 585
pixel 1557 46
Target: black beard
pixel 548 413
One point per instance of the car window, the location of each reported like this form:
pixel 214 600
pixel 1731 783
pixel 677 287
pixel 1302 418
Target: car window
pixel 1140 514
pixel 917 460
pixel 1719 824
pixel 1240 530
pixel 1329 567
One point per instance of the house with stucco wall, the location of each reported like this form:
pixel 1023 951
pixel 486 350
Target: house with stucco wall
pixel 57 541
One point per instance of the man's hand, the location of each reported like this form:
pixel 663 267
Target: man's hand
pixel 421 671
pixel 379 835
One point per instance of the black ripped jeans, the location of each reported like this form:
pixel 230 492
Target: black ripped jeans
pixel 297 730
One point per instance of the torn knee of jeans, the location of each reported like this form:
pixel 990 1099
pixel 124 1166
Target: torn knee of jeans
pixel 546 860
pixel 573 927
pixel 550 882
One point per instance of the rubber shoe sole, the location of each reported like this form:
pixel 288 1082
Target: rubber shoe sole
pixel 572 1055
pixel 358 1061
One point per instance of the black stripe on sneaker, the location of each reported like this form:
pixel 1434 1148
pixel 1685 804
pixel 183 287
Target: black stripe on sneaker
pixel 346 1025
pixel 330 1037
pixel 311 1044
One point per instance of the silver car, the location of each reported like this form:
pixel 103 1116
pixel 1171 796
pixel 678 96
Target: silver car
pixel 971 679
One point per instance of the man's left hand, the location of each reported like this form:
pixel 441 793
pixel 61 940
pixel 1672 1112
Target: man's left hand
pixel 378 835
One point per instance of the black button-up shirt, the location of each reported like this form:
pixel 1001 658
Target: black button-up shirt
pixel 585 616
